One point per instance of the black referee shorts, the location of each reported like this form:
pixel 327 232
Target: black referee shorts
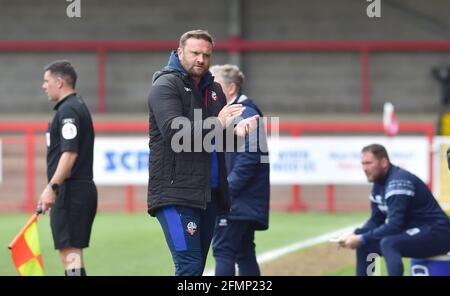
pixel 73 213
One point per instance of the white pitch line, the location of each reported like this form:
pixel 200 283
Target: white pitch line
pixel 300 245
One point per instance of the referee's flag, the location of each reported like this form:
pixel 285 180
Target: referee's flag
pixel 26 250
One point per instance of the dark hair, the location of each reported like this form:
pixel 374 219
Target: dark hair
pixel 377 150
pixel 63 69
pixel 196 34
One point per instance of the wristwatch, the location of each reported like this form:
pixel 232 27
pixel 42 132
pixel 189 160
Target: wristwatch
pixel 54 187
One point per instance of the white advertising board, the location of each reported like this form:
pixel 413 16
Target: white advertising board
pixel 336 160
pixel 121 160
pixel 303 160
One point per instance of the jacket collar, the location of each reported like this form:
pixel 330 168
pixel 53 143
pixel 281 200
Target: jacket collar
pixel 239 99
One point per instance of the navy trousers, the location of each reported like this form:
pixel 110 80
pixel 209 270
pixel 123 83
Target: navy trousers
pixel 418 242
pixel 234 243
pixel 188 232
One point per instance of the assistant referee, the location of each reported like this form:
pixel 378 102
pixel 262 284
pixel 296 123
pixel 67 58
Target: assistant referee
pixel 71 193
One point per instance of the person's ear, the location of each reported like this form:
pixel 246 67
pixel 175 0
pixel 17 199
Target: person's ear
pixel 179 52
pixel 384 162
pixel 232 89
pixel 59 82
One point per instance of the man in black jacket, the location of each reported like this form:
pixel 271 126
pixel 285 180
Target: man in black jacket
pixel 187 178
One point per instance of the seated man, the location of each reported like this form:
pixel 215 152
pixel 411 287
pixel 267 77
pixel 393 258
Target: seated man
pixel 406 220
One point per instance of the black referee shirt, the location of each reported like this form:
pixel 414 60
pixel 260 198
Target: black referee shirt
pixel 71 130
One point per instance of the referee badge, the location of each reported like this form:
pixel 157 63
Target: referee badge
pixel 191 228
pixel 69 131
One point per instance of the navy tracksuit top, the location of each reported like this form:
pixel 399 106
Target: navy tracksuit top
pixel 401 201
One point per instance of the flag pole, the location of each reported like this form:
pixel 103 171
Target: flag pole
pixel 31 220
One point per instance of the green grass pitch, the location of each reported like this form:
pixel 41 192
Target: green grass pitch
pixel 133 244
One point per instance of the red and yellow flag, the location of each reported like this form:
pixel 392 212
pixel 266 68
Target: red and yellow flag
pixel 26 250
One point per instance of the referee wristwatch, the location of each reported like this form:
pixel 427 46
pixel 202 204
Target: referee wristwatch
pixel 54 187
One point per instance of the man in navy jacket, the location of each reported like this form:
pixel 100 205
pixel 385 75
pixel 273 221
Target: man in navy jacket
pixel 249 187
pixel 406 220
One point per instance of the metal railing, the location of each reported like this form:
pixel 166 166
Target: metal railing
pixel 232 45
